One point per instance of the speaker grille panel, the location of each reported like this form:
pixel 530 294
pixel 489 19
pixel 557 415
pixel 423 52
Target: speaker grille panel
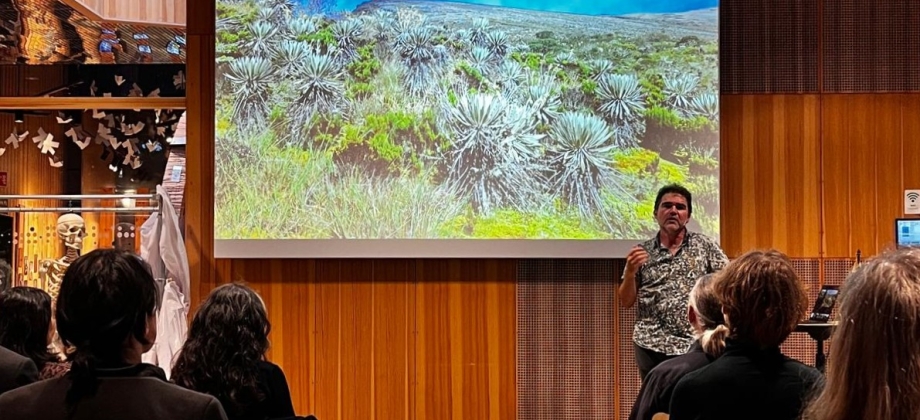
pixel 627 371
pixel 871 46
pixel 566 339
pixel 837 270
pixel 800 346
pixel 768 46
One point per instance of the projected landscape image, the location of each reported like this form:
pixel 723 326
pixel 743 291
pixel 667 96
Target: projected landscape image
pixel 479 119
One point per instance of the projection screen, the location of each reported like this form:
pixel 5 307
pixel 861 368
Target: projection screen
pixel 474 128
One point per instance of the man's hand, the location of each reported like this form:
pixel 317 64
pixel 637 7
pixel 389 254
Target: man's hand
pixel 635 259
pixel 627 290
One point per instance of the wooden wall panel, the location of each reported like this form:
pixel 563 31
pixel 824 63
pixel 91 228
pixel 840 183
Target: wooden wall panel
pixel 199 215
pixel 910 146
pixel 867 146
pixel 864 134
pixel 770 173
pixel 889 174
pixel 356 319
pixel 836 170
pixel 328 337
pixel 391 339
pixel 817 176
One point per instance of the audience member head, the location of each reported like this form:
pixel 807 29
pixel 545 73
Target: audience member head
pixel 705 314
pixel 25 323
pixel 106 311
pixel 227 338
pixel 875 371
pixel 762 298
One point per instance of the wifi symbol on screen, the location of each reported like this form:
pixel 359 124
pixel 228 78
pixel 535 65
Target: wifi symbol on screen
pixel 913 197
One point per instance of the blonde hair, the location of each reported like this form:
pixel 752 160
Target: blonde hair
pixel 875 373
pixel 709 311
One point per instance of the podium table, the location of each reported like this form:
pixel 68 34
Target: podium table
pixel 818 332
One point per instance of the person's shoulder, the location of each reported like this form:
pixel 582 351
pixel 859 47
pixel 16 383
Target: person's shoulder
pixel 165 392
pixel 649 243
pixel 701 238
pixel 266 365
pixel 11 358
pixel 21 396
pixel 680 366
pixel 807 373
pixel 182 399
pixel 269 368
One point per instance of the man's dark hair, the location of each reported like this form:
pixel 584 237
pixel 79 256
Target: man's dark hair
pixel 105 298
pixel 675 189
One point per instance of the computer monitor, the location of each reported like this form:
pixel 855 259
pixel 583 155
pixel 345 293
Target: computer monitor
pixel 824 304
pixel 907 233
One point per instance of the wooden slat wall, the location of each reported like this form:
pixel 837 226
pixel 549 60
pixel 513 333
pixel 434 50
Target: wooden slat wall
pixel 817 176
pixel 157 12
pixel 864 169
pixel 771 174
pixel 391 339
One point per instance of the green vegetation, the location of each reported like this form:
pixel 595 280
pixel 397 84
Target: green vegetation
pixel 322 38
pixel 513 224
pixel 362 70
pixel 390 141
pixel 387 126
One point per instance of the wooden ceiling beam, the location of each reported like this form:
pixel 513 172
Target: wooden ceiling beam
pixel 66 102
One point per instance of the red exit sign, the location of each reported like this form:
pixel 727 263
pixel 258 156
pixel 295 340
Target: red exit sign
pixel 3 179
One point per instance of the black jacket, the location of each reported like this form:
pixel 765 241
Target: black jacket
pixel 15 370
pixel 655 395
pixel 133 392
pixel 746 383
pixel 277 403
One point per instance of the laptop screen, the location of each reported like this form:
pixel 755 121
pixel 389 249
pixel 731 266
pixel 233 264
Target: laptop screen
pixel 824 304
pixel 907 232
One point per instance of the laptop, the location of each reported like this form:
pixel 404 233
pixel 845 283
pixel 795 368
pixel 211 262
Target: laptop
pixel 824 304
pixel 907 233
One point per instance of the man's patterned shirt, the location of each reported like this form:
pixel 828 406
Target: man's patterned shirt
pixel 663 288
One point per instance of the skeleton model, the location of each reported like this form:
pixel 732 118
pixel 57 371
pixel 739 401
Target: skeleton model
pixel 71 229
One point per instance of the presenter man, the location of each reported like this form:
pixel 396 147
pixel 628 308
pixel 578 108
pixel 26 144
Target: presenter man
pixel 659 275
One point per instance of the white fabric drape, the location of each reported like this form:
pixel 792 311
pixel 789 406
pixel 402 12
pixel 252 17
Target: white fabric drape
pixel 163 247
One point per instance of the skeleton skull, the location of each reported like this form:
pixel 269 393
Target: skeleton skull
pixel 71 229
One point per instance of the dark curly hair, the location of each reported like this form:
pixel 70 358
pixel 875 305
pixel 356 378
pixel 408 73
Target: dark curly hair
pixel 25 319
pixel 226 340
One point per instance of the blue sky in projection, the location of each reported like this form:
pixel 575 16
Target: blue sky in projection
pixel 585 7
